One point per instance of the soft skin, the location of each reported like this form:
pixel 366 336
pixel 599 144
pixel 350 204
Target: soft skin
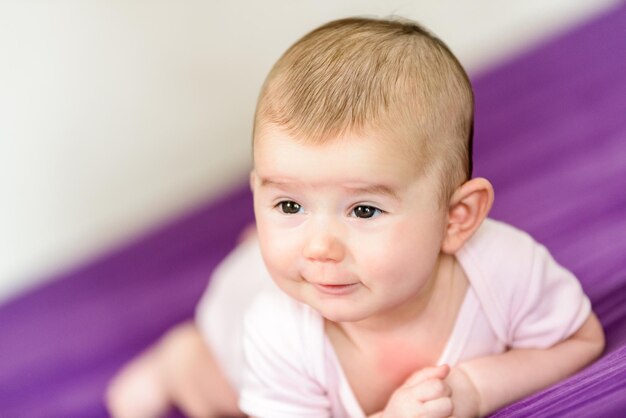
pixel 354 228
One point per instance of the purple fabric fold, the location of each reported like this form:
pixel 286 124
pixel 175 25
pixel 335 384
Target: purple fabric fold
pixel 551 136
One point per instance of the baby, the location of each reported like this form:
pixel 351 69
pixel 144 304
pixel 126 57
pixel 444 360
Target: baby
pixel 377 286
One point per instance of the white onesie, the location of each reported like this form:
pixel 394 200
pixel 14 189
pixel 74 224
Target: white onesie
pixel 518 297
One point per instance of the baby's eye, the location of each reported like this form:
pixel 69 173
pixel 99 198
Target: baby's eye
pixel 289 207
pixel 363 211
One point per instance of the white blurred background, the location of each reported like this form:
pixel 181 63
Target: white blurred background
pixel 116 115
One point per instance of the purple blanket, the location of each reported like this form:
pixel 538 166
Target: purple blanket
pixel 550 134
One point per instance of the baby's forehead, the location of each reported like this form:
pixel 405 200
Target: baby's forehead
pixel 371 153
pixel 405 142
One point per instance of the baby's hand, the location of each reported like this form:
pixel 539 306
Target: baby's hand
pixel 424 394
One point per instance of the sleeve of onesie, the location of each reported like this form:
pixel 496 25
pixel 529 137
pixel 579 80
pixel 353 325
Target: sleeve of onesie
pixel 548 304
pixel 279 377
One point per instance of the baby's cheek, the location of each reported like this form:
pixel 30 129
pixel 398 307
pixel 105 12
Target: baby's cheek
pixel 375 264
pixel 387 259
pixel 280 257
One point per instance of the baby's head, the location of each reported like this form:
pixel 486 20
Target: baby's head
pixel 388 77
pixel 362 154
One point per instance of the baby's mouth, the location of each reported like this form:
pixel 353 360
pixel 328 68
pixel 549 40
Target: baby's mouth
pixel 335 289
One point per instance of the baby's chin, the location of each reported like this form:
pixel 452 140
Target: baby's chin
pixel 340 311
pixel 334 305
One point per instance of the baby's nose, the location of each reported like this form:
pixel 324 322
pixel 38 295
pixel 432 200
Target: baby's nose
pixel 325 246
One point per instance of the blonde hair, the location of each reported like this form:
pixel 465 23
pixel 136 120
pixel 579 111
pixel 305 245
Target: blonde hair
pixel 359 74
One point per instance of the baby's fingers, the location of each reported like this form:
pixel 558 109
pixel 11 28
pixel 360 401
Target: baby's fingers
pixel 439 372
pixel 429 390
pixel 440 407
pixel 430 398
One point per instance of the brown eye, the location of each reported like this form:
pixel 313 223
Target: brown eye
pixel 290 207
pixel 365 211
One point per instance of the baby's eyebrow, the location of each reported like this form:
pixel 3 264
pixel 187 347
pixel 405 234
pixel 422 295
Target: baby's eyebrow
pixel 380 189
pixel 265 182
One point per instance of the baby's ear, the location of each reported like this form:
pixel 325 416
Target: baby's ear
pixel 468 207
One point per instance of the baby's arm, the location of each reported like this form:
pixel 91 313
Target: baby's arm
pixel 489 383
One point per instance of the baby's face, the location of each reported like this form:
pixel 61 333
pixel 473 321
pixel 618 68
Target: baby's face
pixel 347 227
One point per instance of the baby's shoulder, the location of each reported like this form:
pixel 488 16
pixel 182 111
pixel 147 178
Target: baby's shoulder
pixel 498 241
pixel 518 282
pixel 281 333
pixel 500 264
pixel 282 319
pixel 502 258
